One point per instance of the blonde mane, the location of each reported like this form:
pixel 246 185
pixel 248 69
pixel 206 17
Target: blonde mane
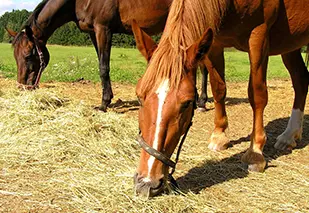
pixel 186 22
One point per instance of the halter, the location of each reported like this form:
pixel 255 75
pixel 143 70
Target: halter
pixel 42 62
pixel 161 156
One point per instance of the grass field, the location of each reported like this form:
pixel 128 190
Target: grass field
pixel 127 65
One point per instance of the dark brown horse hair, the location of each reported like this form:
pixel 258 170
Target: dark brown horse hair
pixel 30 21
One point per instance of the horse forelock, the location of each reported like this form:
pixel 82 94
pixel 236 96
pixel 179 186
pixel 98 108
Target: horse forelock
pixel 18 38
pixel 186 22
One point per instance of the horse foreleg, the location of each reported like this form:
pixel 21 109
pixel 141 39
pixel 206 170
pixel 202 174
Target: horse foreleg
pixel 258 96
pixel 203 97
pixel 215 66
pixel 103 37
pixel 294 62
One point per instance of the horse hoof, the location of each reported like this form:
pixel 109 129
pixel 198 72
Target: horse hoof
pixel 285 142
pixel 258 167
pixel 101 108
pixel 255 161
pixel 218 142
pixel 201 109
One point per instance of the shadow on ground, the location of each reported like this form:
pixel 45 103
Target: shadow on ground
pixel 229 101
pixel 214 172
pixel 124 106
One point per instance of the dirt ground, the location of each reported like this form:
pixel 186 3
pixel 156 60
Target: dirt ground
pixel 281 96
pixel 283 187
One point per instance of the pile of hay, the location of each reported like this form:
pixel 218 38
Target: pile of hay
pixel 60 154
pixel 57 154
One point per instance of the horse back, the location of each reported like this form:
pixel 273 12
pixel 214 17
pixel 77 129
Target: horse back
pixel 288 24
pixel 118 14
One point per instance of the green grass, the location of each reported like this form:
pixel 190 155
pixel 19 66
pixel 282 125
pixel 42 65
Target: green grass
pixel 72 63
pixel 238 67
pixel 127 65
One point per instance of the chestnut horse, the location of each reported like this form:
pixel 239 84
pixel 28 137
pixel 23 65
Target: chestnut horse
pixel 167 89
pixel 101 19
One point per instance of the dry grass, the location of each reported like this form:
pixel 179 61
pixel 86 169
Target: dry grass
pixel 57 154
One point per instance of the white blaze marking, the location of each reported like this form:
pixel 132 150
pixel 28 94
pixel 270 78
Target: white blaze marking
pixel 162 93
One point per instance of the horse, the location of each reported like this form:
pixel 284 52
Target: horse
pixel 198 31
pixel 101 19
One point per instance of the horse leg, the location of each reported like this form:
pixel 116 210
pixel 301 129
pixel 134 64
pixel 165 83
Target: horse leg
pixel 294 62
pixel 94 42
pixel 203 97
pixel 104 42
pixel 258 96
pixel 215 66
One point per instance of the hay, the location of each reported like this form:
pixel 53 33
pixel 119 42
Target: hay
pixel 57 154
pixel 61 152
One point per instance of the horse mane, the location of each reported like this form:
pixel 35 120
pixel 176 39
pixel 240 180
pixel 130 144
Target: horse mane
pixel 30 21
pixel 33 17
pixel 186 22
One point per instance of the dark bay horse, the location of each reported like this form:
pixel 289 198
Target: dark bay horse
pixel 198 30
pixel 101 19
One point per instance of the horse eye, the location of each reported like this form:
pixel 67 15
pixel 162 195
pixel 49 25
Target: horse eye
pixel 185 105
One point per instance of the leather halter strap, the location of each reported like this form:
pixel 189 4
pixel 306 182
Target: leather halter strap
pixel 155 153
pixel 42 62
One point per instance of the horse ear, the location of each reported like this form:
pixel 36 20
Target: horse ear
pixel 197 51
pixel 29 32
pixel 144 42
pixel 11 32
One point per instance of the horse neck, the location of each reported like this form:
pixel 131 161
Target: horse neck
pixel 54 14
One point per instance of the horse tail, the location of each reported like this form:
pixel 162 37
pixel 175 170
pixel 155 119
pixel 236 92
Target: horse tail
pixel 307 56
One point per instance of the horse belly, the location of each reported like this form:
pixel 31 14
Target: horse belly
pixel 90 13
pixel 150 15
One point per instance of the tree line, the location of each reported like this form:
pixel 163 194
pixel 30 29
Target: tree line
pixel 68 34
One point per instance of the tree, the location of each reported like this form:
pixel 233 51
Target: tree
pixel 68 34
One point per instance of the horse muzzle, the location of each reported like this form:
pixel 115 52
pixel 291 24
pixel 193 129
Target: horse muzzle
pixel 147 188
pixel 26 87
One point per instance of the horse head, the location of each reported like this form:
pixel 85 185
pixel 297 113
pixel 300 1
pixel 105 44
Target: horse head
pixel 166 109
pixel 31 57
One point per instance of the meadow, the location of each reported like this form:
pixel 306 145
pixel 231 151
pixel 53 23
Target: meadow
pixel 127 65
pixel 58 154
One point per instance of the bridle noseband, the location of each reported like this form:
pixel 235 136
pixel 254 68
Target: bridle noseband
pixel 155 153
